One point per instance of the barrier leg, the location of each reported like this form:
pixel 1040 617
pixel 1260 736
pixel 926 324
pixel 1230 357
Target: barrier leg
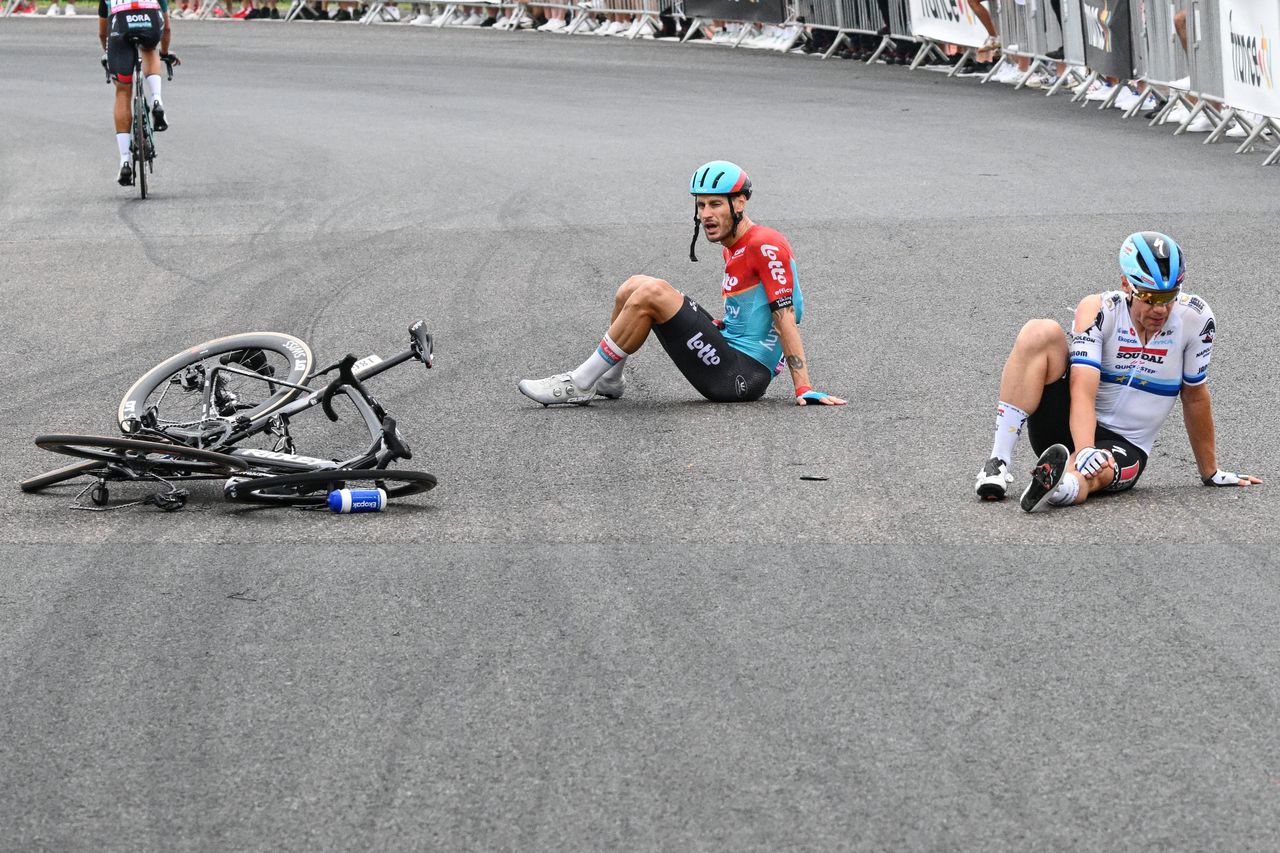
pixel 1115 93
pixel 1274 156
pixel 747 29
pixel 1000 63
pixel 1068 76
pixel 1142 99
pixel 1253 136
pixel 372 13
pixel 1031 69
pixel 1223 127
pixel 884 44
pixel 969 53
pixel 841 38
pixel 1084 89
pixel 926 48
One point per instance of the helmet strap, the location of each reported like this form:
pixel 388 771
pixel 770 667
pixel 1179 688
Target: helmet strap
pixel 697 225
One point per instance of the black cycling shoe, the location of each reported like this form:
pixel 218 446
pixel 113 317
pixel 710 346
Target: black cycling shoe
pixel 126 174
pixel 157 118
pixel 1045 477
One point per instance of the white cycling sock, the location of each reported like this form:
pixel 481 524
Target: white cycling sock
pixel 1067 490
pixel 614 372
pixel 1009 421
pixel 122 141
pixel 607 355
pixel 153 86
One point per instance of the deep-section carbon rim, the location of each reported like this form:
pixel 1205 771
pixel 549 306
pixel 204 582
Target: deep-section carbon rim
pixel 312 487
pixel 141 457
pixel 171 402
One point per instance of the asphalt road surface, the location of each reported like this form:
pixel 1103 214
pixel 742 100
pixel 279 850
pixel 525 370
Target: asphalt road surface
pixel 635 625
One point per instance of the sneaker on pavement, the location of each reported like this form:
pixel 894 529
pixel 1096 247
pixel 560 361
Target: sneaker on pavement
pixel 1177 115
pixel 1201 124
pixel 69 10
pixel 555 389
pixel 126 174
pixel 157 117
pixel 993 480
pixel 613 389
pixel 1045 477
pixel 54 10
pixel 1100 94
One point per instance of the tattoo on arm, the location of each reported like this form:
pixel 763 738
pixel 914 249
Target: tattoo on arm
pixel 795 362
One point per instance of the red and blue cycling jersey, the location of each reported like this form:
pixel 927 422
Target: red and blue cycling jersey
pixel 759 278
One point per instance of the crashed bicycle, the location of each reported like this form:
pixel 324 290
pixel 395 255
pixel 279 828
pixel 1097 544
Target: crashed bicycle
pixel 189 418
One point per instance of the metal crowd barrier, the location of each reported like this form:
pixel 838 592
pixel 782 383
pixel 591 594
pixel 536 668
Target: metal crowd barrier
pixel 1030 31
pixel 749 27
pixel 859 17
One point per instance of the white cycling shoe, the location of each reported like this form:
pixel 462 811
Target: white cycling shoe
pixel 555 390
pixel 993 480
pixel 612 389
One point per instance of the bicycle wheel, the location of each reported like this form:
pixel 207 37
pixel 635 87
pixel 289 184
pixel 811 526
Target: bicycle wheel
pixel 312 487
pixel 139 132
pixel 171 396
pixel 58 475
pixel 123 458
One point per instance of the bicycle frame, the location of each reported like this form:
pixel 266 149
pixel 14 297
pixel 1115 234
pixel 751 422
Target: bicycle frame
pixel 385 444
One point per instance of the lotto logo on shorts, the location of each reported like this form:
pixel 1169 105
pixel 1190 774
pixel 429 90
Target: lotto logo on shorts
pixel 704 350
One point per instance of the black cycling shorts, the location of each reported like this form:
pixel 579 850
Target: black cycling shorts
pixel 719 372
pixel 1051 424
pixel 130 31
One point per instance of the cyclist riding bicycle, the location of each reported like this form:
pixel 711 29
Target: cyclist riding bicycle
pixel 1093 406
pixel 727 360
pixel 126 27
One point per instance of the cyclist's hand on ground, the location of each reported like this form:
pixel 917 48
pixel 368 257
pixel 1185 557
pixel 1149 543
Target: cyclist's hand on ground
pixel 806 396
pixel 1228 478
pixel 1091 460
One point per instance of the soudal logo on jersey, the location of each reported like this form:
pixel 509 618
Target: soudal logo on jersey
pixel 776 270
pixel 703 350
pixel 1251 62
pixel 1155 356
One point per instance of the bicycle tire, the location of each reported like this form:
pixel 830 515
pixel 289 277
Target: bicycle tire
pixel 294 350
pixel 57 475
pixel 140 456
pixel 139 132
pixel 301 489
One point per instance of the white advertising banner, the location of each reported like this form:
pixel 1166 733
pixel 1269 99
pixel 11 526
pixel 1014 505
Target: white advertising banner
pixel 950 21
pixel 1250 29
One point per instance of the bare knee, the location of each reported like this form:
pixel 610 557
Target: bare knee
pixel 1041 336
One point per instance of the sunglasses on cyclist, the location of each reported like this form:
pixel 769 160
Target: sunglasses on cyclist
pixel 1154 297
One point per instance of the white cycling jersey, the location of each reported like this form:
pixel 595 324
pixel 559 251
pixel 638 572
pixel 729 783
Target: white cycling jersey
pixel 1140 382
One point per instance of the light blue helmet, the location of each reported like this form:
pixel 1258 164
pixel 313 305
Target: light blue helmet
pixel 1150 260
pixel 720 177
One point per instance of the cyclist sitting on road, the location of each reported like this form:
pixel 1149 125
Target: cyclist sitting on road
pixel 124 28
pixel 727 360
pixel 1092 408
